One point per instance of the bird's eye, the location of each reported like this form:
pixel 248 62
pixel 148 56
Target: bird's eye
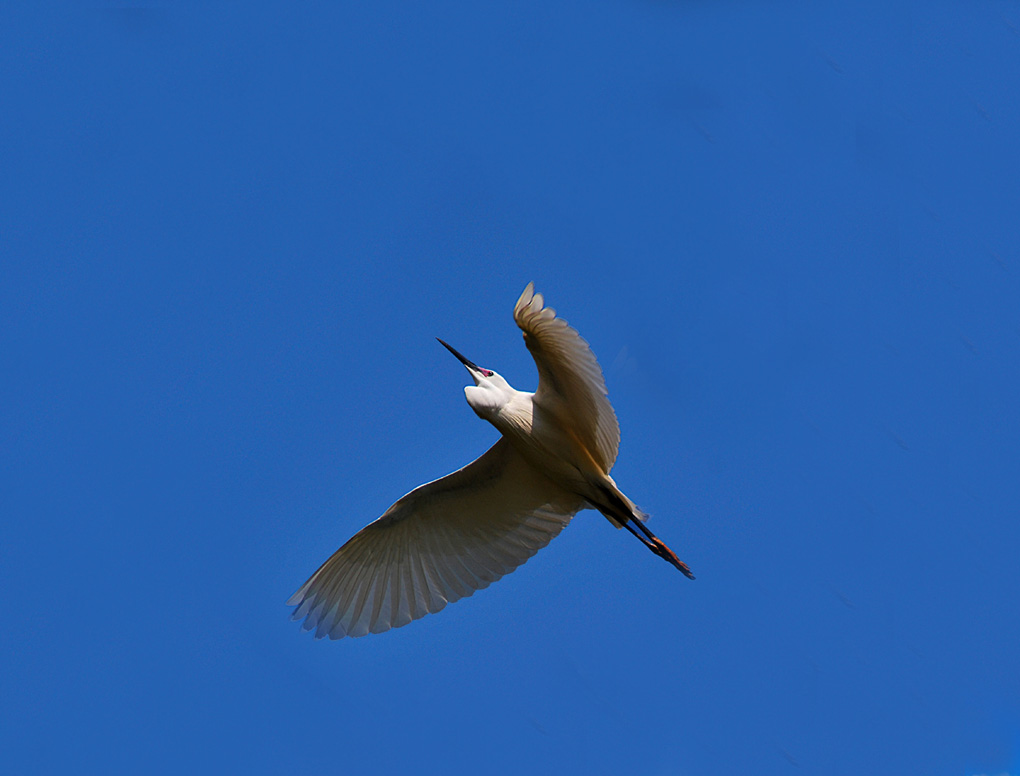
pixel 486 372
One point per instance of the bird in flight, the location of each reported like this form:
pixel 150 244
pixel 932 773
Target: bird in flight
pixel 448 538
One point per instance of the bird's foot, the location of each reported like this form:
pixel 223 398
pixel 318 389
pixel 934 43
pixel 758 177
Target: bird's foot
pixel 667 554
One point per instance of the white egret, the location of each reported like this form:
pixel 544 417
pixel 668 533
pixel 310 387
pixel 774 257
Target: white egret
pixel 450 537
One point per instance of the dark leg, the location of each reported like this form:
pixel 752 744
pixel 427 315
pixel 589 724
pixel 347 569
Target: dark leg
pixel 652 542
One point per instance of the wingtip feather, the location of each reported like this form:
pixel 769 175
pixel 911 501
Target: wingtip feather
pixel 525 299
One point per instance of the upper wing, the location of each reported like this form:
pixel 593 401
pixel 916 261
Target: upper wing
pixel 440 542
pixel 567 369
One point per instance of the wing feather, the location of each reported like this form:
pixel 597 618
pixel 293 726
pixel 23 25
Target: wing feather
pixel 440 542
pixel 569 377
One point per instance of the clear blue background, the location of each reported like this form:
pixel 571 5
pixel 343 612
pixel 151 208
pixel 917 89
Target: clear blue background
pixel 790 233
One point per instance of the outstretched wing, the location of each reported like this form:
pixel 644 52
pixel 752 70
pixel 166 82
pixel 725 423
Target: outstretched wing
pixel 440 542
pixel 569 377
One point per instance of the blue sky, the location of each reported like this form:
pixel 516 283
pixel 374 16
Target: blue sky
pixel 790 233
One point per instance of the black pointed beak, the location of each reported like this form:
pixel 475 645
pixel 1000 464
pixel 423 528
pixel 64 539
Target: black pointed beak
pixel 469 364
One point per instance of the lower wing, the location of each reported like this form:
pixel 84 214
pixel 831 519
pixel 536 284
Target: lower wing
pixel 439 543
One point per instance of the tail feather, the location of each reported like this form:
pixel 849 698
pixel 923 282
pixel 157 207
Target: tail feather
pixel 615 505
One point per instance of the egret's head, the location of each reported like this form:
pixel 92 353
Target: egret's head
pixel 478 374
pixel 490 389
